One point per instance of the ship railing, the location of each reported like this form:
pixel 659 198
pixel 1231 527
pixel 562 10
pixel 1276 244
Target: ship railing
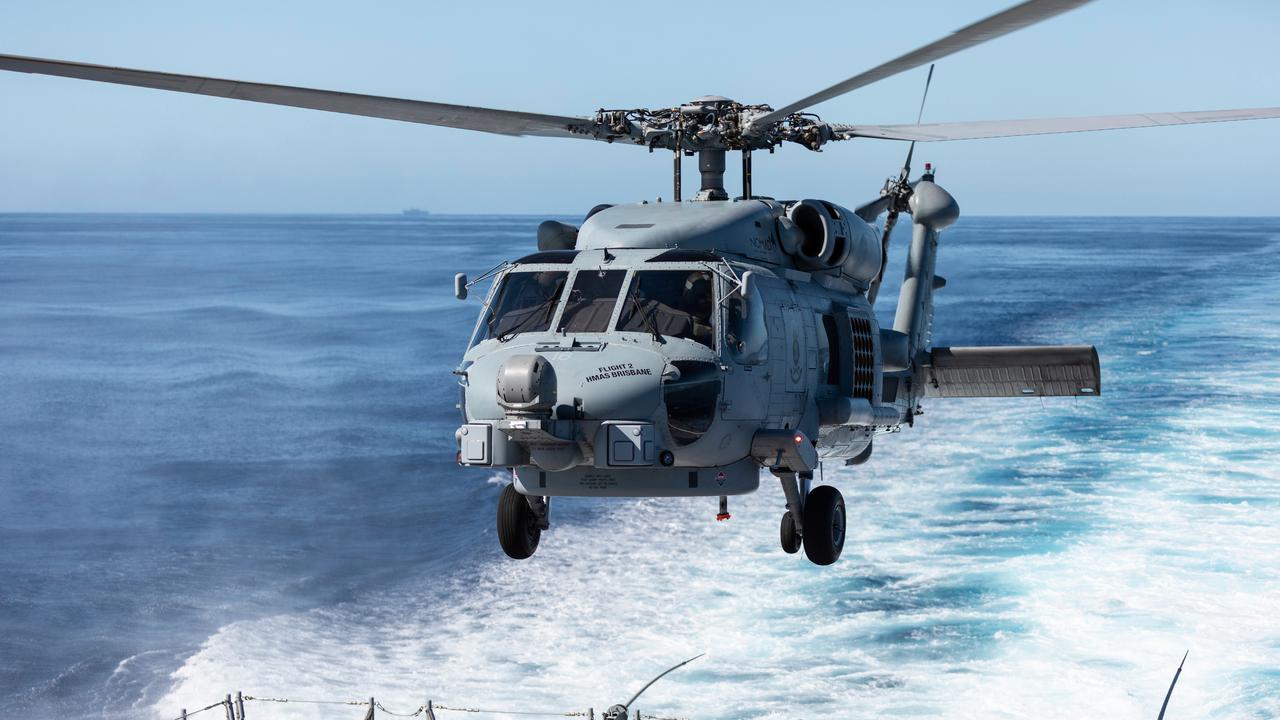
pixel 234 709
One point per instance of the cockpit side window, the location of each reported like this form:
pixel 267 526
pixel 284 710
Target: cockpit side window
pixel 524 302
pixel 591 301
pixel 675 303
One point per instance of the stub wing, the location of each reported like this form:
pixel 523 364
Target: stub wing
pixel 1046 370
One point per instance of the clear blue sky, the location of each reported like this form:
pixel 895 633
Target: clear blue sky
pixel 70 145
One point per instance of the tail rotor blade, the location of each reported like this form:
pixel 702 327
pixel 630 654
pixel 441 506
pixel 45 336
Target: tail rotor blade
pixel 925 96
pixel 906 166
pixel 869 211
pixel 894 197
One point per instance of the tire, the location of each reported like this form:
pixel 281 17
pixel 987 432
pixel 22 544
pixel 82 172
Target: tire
pixel 824 525
pixel 518 531
pixel 787 533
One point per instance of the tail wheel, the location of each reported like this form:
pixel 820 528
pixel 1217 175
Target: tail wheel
pixel 790 538
pixel 518 531
pixel 824 524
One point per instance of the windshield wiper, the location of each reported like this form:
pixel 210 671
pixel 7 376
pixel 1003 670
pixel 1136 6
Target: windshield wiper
pixel 547 305
pixel 648 321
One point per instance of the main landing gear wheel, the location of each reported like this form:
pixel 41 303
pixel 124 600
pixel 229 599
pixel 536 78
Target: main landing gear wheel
pixel 824 522
pixel 518 530
pixel 790 537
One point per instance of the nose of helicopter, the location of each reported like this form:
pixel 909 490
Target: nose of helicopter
pixel 627 387
pixel 604 382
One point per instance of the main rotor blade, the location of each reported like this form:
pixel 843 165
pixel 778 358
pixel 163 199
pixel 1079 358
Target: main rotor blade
pixel 932 132
pixel 925 95
pixel 503 122
pixel 1002 23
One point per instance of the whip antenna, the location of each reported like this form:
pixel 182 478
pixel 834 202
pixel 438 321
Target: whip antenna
pixel 660 676
pixel 1169 694
pixel 620 711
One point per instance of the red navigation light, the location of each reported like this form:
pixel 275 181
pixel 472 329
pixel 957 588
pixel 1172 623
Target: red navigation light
pixel 799 438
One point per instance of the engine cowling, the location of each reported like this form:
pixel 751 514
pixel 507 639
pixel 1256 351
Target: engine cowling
pixel 824 236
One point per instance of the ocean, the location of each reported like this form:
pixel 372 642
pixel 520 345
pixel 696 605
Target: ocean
pixel 226 464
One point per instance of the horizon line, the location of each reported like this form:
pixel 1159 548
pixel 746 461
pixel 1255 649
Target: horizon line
pixel 429 214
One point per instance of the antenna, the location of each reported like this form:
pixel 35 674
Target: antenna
pixel 1169 694
pixel 620 711
pixel 660 676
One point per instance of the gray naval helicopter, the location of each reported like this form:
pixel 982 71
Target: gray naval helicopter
pixel 676 348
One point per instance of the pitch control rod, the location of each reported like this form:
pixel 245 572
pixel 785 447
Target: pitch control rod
pixel 676 160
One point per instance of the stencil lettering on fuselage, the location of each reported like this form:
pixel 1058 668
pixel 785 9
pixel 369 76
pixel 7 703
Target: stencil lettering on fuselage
pixel 617 371
pixel 795 353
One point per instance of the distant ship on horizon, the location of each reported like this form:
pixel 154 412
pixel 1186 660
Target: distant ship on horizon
pixel 415 212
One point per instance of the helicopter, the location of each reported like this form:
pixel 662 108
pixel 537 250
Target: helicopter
pixel 673 349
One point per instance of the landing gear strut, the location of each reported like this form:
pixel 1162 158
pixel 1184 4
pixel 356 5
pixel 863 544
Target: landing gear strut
pixel 521 521
pixel 817 521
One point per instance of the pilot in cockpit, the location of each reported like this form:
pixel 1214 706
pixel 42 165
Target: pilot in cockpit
pixel 696 301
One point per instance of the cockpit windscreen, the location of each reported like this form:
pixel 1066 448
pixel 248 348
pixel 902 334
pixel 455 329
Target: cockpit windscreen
pixel 591 301
pixel 524 303
pixel 675 303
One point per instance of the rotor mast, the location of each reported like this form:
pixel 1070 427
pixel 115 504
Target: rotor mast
pixel 711 165
pixel 716 123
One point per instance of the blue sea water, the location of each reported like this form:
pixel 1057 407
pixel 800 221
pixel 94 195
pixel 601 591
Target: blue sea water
pixel 226 463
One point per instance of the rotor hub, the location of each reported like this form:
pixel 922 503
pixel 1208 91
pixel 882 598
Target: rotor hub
pixel 710 99
pixel 710 122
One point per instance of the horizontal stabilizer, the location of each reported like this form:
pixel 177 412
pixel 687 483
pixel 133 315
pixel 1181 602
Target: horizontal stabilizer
pixel 1046 370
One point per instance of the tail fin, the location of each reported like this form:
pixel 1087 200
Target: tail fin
pixel 932 209
pixel 1046 370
